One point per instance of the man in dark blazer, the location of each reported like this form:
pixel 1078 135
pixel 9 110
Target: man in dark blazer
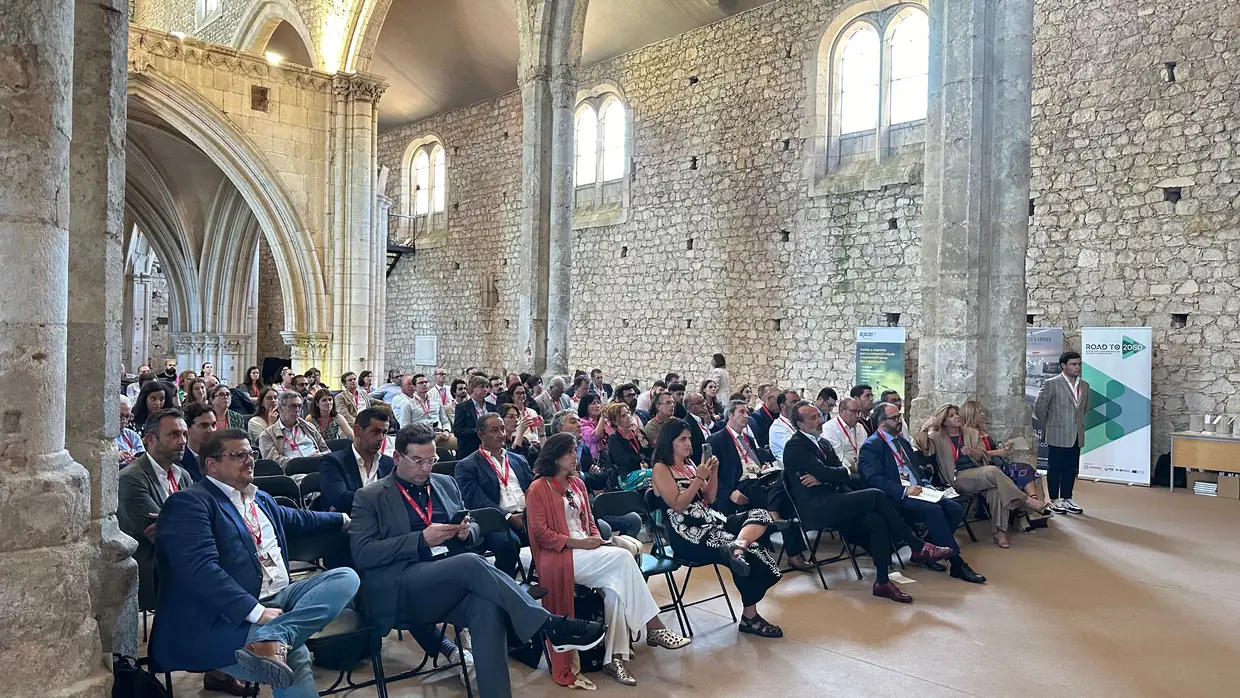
pixel 599 388
pixel 766 414
pixel 465 418
pixel 695 413
pixel 818 483
pixel 200 421
pixel 496 478
pixel 343 473
pixel 225 597
pixel 886 462
pixel 416 566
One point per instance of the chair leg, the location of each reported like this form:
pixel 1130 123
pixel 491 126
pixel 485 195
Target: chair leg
pixel 168 682
pixel 376 662
pixel 813 558
pixel 849 549
pixel 144 626
pixel 723 589
pixel 678 607
pixel 900 559
pixel 969 529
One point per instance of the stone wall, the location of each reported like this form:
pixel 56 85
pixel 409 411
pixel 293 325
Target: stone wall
pixel 178 16
pixel 270 307
pixel 160 341
pixel 1107 249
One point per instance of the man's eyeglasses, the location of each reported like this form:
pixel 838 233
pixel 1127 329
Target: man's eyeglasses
pixel 423 382
pixel 420 462
pixel 243 456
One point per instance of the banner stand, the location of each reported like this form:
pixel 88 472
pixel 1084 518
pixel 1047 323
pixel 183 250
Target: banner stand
pixel 1117 366
pixel 880 359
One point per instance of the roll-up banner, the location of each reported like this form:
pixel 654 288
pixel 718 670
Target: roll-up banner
pixel 1117 366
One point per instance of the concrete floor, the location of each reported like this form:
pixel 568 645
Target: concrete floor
pixel 1139 597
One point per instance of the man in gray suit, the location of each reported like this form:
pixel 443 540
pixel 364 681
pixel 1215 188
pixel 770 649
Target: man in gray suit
pixel 1061 406
pixel 416 567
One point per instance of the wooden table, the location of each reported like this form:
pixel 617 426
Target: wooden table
pixel 1216 453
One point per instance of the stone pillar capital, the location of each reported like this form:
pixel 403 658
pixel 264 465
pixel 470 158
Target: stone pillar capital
pixel 358 87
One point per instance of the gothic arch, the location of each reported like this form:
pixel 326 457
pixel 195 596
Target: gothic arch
pixel 226 270
pixel 260 23
pixel 297 261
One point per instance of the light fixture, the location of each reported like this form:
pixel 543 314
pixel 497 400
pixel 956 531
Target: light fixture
pixel 274 58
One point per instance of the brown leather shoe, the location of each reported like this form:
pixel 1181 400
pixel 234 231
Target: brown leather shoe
pixel 220 682
pixel 891 591
pixel 932 553
pixel 268 660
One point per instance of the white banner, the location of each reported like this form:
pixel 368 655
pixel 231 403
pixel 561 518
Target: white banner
pixel 1117 367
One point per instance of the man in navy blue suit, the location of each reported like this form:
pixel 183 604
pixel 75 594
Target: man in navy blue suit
pixel 494 477
pixel 225 598
pixel 886 462
pixel 465 418
pixel 344 472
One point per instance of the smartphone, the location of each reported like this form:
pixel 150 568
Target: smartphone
pixel 707 452
pixel 459 517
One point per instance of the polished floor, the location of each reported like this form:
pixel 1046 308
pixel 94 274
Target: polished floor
pixel 1138 597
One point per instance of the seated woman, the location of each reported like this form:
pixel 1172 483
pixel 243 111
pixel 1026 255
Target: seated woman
pixel 597 478
pixel 323 416
pixel 520 440
pixel 589 411
pixel 519 395
pixel 963 465
pixel 221 398
pixel 627 447
pixel 701 534
pixel 1025 476
pixel 710 393
pixel 568 550
pixel 264 416
pixel 155 396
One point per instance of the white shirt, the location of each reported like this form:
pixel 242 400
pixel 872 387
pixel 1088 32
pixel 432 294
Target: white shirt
pixel 750 466
pixel 296 441
pixel 278 580
pixel 846 442
pixel 373 476
pixel 415 410
pixel 1074 388
pixel 511 497
pixel 781 431
pixel 440 398
pixel 162 476
pixel 644 402
pixel 398 405
pixel 573 518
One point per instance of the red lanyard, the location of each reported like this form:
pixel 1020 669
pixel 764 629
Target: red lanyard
pixel 768 413
pixel 426 404
pixel 443 395
pixel 790 427
pixel 357 399
pixel 430 503
pixel 296 437
pixel 741 450
pixel 896 452
pixel 255 527
pixel 172 482
pixel 986 440
pixel 632 440
pixel 503 477
pixel 847 433
pixel 955 448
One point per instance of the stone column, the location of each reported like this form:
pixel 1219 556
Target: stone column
pixel 378 312
pixel 308 349
pixel 976 220
pixel 97 191
pixel 47 550
pixel 232 357
pixel 353 270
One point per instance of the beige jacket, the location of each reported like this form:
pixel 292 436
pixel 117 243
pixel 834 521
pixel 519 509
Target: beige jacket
pixel 272 447
pixel 347 408
pixel 939 445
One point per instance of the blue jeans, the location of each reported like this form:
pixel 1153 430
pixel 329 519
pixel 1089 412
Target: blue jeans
pixel 309 605
pixel 629 524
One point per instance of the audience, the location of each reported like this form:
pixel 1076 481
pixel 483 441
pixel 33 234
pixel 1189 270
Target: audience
pixel 825 402
pixel 519 395
pixel 229 603
pixel 144 376
pixel 182 384
pixel 887 464
pixel 352 399
pixel 128 443
pixel 313 382
pixel 864 395
pixel 581 386
pixel 460 393
pixel 195 392
pixel 493 477
pixel 343 473
pixel 387 392
pixel 330 423
pixel 599 387
pixel 647 401
pixel 962 464
pixel 441 396
pixel 468 417
pixel 664 412
pixel 589 411
pixel 291 436
pixel 220 398
pixel 553 399
pixel 698 419
pixel 201 422
pixel 519 438
pixel 766 414
pixel 267 414
pixel 301 385
pixel 818 483
pixel 365 383
pixel 1023 475
pixel 709 391
pixel 568 550
pixel 782 428
pixel 678 397
pixel 416 407
pixel 845 433
pixel 253 384
pixel 417 567
pixel 497 389
pixel 170 371
pixel 892 397
pixel 155 396
pixel 701 534
pixel 627 447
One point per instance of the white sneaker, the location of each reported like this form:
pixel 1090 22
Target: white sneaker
pixel 1058 506
pixel 1073 507
pixel 468 672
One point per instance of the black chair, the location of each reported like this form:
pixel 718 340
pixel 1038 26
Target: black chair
pixel 264 467
pixel 631 502
pixel 280 486
pixel 663 550
pixel 303 465
pixel 929 470
pixel 491 520
pixel 286 502
pixel 334 445
pixel 444 454
pixel 309 486
pixel 819 530
pixel 445 467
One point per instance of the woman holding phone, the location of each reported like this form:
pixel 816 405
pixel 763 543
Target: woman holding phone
pixel 568 550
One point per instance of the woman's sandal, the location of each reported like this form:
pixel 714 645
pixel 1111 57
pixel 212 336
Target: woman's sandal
pixel 736 561
pixel 758 626
pixel 1002 544
pixel 583 684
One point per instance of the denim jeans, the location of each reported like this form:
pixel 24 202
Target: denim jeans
pixel 627 524
pixel 309 605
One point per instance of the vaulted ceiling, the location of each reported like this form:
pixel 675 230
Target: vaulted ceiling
pixel 444 54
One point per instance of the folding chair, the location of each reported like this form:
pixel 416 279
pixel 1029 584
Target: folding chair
pixel 444 454
pixel 334 445
pixel 445 467
pixel 631 502
pixel 658 528
pixel 818 531
pixel 264 467
pixel 303 465
pixel 309 486
pixel 491 520
pixel 280 486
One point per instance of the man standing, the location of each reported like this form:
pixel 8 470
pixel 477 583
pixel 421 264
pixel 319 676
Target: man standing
pixel 845 433
pixel 201 422
pixel 1061 406
pixel 864 395
pixel 782 429
pixel 768 411
pixel 887 463
pixel 664 412
pixel 416 408
pixel 229 602
pixel 291 436
pixel 441 395
pixel 553 399
pixel 493 477
pixel 468 415
pixel 350 401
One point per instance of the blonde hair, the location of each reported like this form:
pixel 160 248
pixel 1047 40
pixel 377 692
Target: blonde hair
pixel 940 415
pixel 612 412
pixel 971 412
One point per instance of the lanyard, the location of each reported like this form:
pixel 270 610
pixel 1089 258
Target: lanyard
pixel 790 427
pixel 741 450
pixel 847 434
pixel 956 446
pixel 172 481
pixel 425 404
pixel 430 503
pixel 296 437
pixel 632 440
pixel 895 452
pixel 986 440
pixel 357 399
pixel 768 413
pixel 255 527
pixel 443 395
pixel 1075 391
pixel 503 477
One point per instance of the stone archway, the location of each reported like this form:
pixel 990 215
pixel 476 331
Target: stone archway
pixel 264 17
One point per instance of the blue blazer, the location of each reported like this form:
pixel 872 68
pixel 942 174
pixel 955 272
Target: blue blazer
pixel 465 428
pixel 479 483
pixel 339 479
pixel 209 577
pixel 190 463
pixel 729 472
pixel 877 466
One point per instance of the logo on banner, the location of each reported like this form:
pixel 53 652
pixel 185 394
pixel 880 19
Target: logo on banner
pixel 1131 347
pixel 1114 410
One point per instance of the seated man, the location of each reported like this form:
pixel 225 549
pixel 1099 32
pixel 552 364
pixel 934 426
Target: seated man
pixel 344 472
pixel 226 601
pixel 416 567
pixel 887 463
pixel 128 443
pixel 845 433
pixel 291 436
pixel 819 485
pixel 200 420
pixel 782 429
pixel 494 477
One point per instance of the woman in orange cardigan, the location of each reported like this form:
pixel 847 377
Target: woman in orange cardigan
pixel 567 550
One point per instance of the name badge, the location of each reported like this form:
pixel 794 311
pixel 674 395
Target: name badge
pixel 268 565
pixel 437 550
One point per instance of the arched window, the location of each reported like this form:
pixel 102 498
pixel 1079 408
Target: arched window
pixel 602 141
pixel 438 179
pixel 423 192
pixel 859 80
pixel 910 67
pixel 421 183
pixel 207 11
pixel 586 145
pixel 614 123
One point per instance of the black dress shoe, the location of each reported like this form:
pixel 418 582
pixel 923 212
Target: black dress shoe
pixel 936 566
pixel 966 573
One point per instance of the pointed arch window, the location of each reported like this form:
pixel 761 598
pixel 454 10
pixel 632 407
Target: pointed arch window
pixel 424 189
pixel 602 146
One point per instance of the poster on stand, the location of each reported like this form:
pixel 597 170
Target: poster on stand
pixel 1043 345
pixel 880 359
pixel 1117 366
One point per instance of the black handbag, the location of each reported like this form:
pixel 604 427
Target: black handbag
pixel 130 681
pixel 588 605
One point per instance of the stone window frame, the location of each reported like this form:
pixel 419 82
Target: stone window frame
pixel 203 16
pixel 428 230
pixel 898 152
pixel 603 203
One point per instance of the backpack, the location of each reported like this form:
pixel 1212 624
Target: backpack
pixel 588 605
pixel 130 681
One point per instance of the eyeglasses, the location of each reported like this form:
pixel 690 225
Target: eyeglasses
pixel 423 382
pixel 243 456
pixel 420 462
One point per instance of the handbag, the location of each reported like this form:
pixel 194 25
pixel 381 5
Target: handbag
pixel 637 480
pixel 130 681
pixel 632 545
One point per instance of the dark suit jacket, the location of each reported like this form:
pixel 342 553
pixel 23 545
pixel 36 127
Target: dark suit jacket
pixel 139 496
pixel 877 466
pixel 480 485
pixel 209 574
pixel 622 454
pixel 465 428
pixel 384 544
pixel 760 425
pixel 729 472
pixel 339 479
pixel 803 457
pixel 189 461
pixel 697 436
pixel 606 394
